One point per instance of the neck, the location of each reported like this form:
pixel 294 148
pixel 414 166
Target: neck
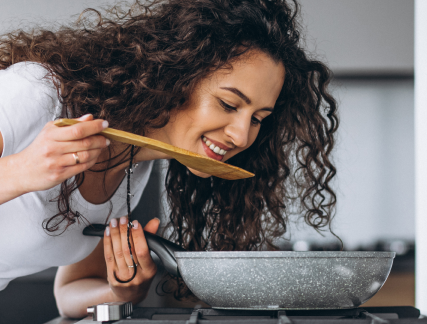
pixel 99 187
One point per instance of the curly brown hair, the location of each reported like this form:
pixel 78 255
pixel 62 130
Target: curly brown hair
pixel 132 68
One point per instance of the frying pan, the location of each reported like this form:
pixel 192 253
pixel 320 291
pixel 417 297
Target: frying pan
pixel 273 280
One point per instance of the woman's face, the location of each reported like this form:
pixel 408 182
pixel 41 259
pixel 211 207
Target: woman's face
pixel 225 111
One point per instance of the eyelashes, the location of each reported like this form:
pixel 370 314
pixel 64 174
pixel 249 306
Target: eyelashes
pixel 229 108
pixel 255 121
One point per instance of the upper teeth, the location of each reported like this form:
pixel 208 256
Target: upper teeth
pixel 213 147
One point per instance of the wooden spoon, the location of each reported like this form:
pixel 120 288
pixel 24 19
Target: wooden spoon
pixel 192 160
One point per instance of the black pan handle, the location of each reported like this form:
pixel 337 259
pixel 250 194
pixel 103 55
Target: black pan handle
pixel 163 248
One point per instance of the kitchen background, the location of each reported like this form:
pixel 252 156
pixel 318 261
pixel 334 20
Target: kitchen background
pixel 370 47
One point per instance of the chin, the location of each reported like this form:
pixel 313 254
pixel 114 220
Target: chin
pixel 199 174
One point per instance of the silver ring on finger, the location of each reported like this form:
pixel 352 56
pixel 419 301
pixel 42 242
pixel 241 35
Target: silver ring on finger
pixel 76 157
pixel 136 264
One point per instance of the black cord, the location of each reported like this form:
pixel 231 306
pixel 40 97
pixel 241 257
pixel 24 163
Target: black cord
pixel 129 171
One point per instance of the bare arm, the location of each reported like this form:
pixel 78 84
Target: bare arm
pixel 80 285
pixel 49 159
pixel 91 281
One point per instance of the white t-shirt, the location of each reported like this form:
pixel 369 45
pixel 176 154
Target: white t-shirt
pixel 27 102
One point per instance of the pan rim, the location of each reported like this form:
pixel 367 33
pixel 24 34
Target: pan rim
pixel 282 254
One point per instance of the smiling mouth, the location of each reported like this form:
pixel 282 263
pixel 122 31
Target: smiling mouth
pixel 212 150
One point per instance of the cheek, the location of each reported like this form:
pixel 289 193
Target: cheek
pixel 253 133
pixel 210 117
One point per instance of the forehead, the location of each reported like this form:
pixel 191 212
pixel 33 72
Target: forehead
pixel 255 74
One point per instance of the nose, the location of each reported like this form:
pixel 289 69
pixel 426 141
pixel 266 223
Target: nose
pixel 238 130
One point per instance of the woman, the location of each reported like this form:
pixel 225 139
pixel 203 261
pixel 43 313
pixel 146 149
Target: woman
pixel 223 78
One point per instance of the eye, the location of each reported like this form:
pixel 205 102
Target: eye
pixel 226 106
pixel 255 121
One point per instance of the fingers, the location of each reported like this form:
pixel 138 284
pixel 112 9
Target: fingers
pixel 80 137
pixel 79 131
pixel 124 241
pixel 118 248
pixel 81 157
pixel 70 167
pixel 141 248
pixel 49 159
pixel 113 257
pixel 79 154
pixel 110 260
pixel 152 226
pixel 115 241
pixel 85 117
pixel 88 143
pixel 117 253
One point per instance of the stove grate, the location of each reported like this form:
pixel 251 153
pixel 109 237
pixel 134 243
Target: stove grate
pixel 366 315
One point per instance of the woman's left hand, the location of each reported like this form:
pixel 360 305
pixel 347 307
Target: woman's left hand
pixel 119 262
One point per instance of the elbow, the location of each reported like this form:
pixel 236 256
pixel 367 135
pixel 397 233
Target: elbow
pixel 59 304
pixel 66 307
pixel 62 310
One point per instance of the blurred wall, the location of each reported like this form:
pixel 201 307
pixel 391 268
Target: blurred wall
pixel 354 37
pixel 22 13
pixel 374 157
pixel 363 37
pixel 369 46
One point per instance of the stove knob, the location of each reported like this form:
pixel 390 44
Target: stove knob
pixel 91 310
pixel 110 311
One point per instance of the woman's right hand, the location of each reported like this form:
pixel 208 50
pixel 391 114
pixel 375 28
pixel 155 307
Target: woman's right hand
pixel 49 159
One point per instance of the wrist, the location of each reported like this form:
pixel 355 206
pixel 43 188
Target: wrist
pixel 112 296
pixel 117 297
pixel 127 295
pixel 10 176
pixel 15 164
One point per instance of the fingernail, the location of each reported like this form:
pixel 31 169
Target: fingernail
pixel 157 219
pixel 123 220
pixel 135 224
pixel 113 222
pixel 104 124
pixel 107 141
pixel 84 116
pixel 107 231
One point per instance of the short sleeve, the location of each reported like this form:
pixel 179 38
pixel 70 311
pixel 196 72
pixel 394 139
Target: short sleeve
pixel 28 100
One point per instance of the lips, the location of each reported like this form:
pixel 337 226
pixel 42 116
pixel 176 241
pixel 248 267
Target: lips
pixel 220 145
pixel 213 147
pixel 211 153
pixel 217 150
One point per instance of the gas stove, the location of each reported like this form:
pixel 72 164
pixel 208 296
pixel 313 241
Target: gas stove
pixel 108 313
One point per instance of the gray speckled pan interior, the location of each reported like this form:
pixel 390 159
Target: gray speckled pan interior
pixel 284 280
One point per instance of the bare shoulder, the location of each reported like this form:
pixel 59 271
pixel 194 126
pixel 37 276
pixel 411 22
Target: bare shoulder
pixel 93 266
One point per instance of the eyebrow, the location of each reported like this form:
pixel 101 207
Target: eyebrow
pixel 244 97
